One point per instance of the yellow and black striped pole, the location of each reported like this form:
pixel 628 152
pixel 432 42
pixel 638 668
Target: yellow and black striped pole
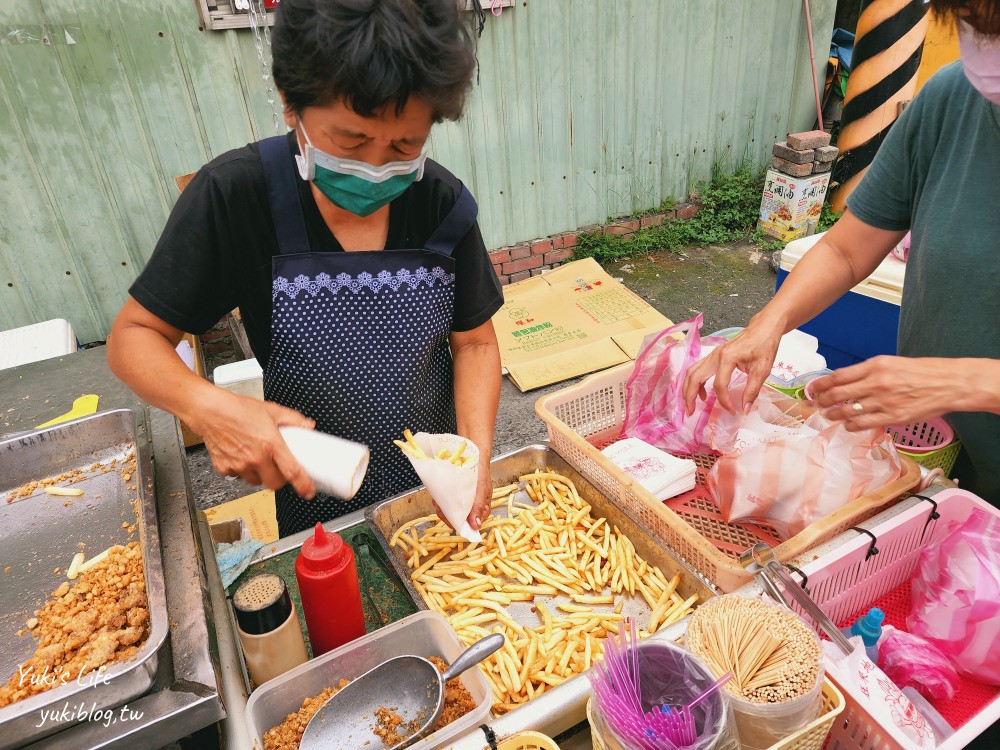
pixel 887 48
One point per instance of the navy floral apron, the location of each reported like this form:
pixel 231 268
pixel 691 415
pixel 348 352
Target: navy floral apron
pixel 359 341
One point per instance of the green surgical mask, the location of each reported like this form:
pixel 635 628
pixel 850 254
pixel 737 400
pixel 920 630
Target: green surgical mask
pixel 357 186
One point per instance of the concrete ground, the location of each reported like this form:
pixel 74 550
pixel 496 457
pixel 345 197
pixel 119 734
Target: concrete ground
pixel 728 284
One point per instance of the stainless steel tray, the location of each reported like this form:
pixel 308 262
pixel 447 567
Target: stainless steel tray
pixel 41 532
pixel 563 705
pixel 389 515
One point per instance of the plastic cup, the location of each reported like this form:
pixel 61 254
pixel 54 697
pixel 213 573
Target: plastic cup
pixel 669 675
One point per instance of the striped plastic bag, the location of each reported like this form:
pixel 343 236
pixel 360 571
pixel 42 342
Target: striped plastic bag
pixel 654 392
pixel 785 464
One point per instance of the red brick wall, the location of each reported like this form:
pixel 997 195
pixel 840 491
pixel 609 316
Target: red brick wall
pixel 527 259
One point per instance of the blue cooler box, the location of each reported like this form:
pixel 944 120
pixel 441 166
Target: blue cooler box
pixel 864 322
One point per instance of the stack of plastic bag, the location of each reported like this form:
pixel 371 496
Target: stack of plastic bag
pixel 797 355
pixel 662 474
pixel 789 466
pixel 885 702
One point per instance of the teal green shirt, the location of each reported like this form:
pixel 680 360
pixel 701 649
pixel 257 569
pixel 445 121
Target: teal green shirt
pixel 938 174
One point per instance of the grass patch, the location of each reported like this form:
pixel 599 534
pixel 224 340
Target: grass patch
pixel 730 207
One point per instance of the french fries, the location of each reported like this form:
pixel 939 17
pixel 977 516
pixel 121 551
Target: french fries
pixel 413 449
pixel 549 548
pixel 62 491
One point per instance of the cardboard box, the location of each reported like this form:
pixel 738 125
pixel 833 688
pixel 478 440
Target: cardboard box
pixel 254 512
pixel 570 321
pixel 789 204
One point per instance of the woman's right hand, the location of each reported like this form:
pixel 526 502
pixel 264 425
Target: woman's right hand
pixel 242 439
pixel 752 352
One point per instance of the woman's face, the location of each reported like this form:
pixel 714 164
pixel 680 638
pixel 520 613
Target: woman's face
pixel 338 130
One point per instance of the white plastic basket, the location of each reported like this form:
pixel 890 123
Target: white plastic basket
pixel 849 579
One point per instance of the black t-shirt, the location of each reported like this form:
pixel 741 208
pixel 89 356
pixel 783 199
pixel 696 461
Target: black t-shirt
pixel 215 251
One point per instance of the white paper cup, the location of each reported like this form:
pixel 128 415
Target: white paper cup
pixel 336 466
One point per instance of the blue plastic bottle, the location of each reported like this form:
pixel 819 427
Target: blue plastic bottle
pixel 869 627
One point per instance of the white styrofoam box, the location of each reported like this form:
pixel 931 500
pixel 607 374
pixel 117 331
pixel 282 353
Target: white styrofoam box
pixel 885 283
pixel 245 378
pixel 33 343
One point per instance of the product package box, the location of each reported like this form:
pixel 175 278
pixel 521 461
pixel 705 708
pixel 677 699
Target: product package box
pixel 789 204
pixel 570 321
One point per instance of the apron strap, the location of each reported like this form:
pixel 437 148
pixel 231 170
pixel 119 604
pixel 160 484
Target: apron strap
pixel 283 194
pixel 455 226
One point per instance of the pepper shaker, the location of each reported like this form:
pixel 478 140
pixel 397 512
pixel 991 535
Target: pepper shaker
pixel 268 627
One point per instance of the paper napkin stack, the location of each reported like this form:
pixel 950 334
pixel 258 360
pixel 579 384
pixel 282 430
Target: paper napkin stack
pixel 662 474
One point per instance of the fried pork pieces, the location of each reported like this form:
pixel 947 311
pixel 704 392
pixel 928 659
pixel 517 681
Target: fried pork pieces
pixel 101 620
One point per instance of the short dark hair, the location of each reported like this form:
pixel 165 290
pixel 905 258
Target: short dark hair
pixel 985 14
pixel 373 53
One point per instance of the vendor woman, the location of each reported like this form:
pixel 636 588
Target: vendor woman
pixel 937 175
pixel 356 262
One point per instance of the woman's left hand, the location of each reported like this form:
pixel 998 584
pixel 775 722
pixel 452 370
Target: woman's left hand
pixel 885 391
pixel 484 497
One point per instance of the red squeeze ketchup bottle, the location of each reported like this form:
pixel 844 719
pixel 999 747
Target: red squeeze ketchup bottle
pixel 331 597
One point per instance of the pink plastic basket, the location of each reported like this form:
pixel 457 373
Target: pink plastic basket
pixel 922 437
pixel 931 444
pixel 850 579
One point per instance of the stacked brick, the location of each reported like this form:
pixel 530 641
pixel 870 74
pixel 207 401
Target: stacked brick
pixel 527 259
pixel 803 154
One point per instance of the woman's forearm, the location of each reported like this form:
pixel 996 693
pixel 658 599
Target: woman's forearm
pixel 143 356
pixel 844 257
pixel 477 386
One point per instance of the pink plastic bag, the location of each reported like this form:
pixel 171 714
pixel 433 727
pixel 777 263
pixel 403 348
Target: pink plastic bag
pixel 913 661
pixel 654 400
pixel 787 465
pixel 956 596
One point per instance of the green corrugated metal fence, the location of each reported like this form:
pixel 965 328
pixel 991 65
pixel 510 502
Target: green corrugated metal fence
pixel 584 110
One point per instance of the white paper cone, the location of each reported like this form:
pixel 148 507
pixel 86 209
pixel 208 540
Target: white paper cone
pixel 336 466
pixel 452 487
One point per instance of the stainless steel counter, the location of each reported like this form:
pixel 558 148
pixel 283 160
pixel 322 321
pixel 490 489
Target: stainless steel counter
pixel 185 696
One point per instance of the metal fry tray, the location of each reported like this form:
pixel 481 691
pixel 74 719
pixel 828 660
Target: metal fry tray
pixel 41 532
pixel 388 516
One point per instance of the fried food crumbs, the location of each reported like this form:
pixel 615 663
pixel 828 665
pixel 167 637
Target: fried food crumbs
pixel 50 485
pixel 288 734
pixel 389 725
pixel 389 729
pixel 55 570
pixel 7 569
pixel 457 700
pixel 101 620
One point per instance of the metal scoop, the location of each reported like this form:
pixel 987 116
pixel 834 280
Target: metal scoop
pixel 409 686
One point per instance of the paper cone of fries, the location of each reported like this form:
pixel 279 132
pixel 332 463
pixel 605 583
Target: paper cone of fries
pixel 448 465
